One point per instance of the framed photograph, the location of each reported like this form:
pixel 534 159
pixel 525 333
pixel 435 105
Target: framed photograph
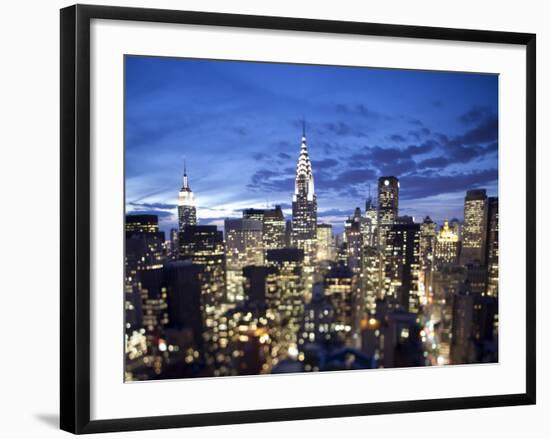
pixel 285 218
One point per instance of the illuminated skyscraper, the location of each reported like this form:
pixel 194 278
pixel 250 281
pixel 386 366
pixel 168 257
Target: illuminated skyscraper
pixel 474 230
pixel 285 299
pixel 203 246
pixel 402 266
pixel 304 212
pixel 339 292
pixel 187 209
pixel 325 242
pixel 492 248
pixel 273 226
pixel 371 215
pixel 244 246
pixel 388 206
pixel 446 247
pixel 244 243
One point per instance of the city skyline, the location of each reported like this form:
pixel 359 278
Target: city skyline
pixel 438 152
pixel 346 268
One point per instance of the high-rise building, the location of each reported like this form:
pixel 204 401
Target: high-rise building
pixel 274 228
pixel 446 247
pixel 371 276
pixel 187 207
pixel 402 266
pixel 427 250
pixel 318 323
pixel 325 242
pixel 339 292
pixel 474 230
pixel 285 299
pixel 244 246
pixel 144 251
pixel 273 224
pixel 388 206
pixel 492 247
pixel 203 246
pixel 304 212
pixel 183 285
pixel 244 243
pixel 371 224
pixel 462 327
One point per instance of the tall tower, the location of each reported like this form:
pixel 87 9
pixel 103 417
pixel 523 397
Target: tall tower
pixel 187 209
pixel 304 206
pixel 474 231
pixel 388 205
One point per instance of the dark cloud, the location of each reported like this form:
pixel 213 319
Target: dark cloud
pixel 343 129
pixel 241 131
pixel 323 164
pixel 258 156
pixel 160 213
pixel 398 167
pixel 397 138
pixel 475 115
pixel 284 156
pixel 358 109
pixel 152 205
pixel 416 122
pixel 486 131
pixel 420 186
pixel 378 156
pixel 433 162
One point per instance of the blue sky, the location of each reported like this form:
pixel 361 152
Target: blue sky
pixel 238 127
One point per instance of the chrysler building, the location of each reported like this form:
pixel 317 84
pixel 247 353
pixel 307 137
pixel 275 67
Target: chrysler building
pixel 304 208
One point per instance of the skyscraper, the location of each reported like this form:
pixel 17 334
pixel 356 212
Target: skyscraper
pixel 492 247
pixel 325 242
pixel 304 209
pixel 285 299
pixel 388 206
pixel 187 209
pixel 474 230
pixel 273 224
pixel 244 246
pixel 371 223
pixel 244 243
pixel 203 246
pixel 446 247
pixel 402 266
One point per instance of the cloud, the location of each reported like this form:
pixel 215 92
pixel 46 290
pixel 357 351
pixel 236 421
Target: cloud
pixel 323 164
pixel 284 156
pixel 397 138
pixel 358 109
pixel 160 213
pixel 421 186
pixel 379 156
pixel 475 115
pixel 486 131
pixel 433 162
pixel 343 129
pixel 164 206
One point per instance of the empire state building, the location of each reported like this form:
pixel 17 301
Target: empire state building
pixel 187 210
pixel 304 207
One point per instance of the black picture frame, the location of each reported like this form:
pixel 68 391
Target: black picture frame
pixel 75 217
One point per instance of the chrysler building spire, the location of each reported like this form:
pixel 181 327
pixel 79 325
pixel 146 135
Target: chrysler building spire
pixel 303 185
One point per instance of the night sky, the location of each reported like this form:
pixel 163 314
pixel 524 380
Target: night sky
pixel 238 126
